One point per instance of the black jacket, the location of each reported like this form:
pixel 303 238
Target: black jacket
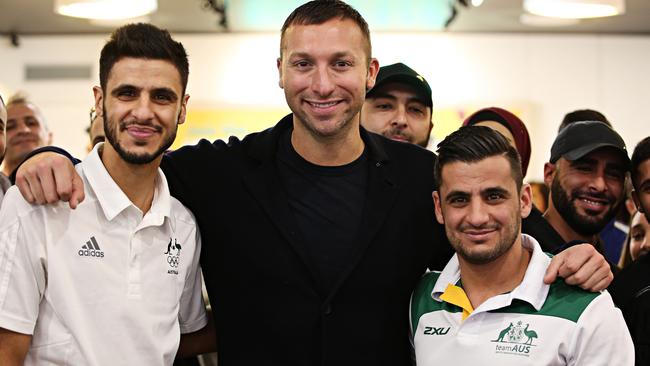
pixel 631 293
pixel 269 308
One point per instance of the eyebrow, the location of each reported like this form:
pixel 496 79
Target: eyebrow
pixel 492 190
pixel 163 89
pixel 382 94
pixel 456 194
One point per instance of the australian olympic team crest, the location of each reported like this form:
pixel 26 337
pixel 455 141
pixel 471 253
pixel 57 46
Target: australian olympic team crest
pixel 516 339
pixel 173 255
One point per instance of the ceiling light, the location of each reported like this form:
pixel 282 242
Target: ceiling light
pixel 575 9
pixel 540 21
pixel 105 9
pixel 477 3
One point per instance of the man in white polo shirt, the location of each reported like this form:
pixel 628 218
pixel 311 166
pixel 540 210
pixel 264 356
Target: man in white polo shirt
pixel 116 281
pixel 490 305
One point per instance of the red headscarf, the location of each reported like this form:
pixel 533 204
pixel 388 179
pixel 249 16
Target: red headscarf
pixel 512 123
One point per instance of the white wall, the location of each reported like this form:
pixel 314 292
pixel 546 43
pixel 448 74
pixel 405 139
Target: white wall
pixel 550 74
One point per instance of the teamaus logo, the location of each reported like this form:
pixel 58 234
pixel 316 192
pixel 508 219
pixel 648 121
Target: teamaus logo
pixel 91 249
pixel 173 254
pixel 517 338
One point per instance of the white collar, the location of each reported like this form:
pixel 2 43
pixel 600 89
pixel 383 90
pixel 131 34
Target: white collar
pixel 532 288
pixel 112 199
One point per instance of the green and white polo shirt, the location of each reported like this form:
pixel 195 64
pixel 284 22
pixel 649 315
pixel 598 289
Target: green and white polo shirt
pixel 534 324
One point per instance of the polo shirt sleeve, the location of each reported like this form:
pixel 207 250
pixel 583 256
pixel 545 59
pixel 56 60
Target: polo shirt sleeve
pixel 22 273
pixel 602 338
pixel 192 315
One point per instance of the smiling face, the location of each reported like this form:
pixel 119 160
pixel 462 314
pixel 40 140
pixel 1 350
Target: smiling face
pixel 26 131
pixel 395 112
pixel 324 71
pixel 481 208
pixel 142 108
pixel 588 191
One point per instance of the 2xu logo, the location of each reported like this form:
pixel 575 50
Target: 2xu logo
pixel 436 331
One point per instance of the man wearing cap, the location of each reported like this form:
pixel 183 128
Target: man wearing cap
pixel 399 105
pixel 585 176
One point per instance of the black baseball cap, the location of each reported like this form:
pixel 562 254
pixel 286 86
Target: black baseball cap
pixel 403 74
pixel 580 138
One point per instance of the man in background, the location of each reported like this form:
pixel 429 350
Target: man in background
pixel 26 130
pixel 585 175
pixel 630 287
pixel 399 105
pixel 95 130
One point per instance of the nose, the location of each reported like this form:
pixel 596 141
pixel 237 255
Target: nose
pixel 322 82
pixel 399 119
pixel 477 215
pixel 22 128
pixel 598 182
pixel 143 110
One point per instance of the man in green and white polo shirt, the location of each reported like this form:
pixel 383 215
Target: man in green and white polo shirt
pixel 490 305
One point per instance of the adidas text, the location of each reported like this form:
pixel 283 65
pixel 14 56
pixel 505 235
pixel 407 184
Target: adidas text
pixel 90 253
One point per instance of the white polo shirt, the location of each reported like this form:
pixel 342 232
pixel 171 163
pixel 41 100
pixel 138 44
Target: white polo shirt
pixel 101 284
pixel 534 324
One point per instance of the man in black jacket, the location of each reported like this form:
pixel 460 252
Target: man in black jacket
pixel 315 231
pixel 631 287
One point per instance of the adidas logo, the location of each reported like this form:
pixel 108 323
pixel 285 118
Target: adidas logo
pixel 91 249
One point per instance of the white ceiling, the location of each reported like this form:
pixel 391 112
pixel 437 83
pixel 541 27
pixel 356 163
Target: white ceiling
pixel 35 17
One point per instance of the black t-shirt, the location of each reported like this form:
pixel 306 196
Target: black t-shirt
pixel 327 203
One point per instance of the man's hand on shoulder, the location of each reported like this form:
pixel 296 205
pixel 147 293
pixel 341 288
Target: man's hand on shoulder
pixel 580 265
pixel 49 177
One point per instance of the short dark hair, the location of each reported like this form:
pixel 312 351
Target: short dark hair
pixel 320 11
pixel 641 154
pixel 142 40
pixel 472 144
pixel 583 115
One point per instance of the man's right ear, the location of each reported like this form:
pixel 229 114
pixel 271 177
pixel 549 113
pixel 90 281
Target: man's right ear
pixel 438 209
pixel 279 66
pixel 99 101
pixel 549 172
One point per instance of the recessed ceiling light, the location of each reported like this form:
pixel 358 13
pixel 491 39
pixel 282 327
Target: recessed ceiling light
pixel 575 9
pixel 105 9
pixel 540 21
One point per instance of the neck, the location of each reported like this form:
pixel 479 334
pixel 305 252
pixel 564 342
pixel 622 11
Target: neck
pixel 8 167
pixel 563 228
pixel 137 181
pixel 483 281
pixel 340 149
